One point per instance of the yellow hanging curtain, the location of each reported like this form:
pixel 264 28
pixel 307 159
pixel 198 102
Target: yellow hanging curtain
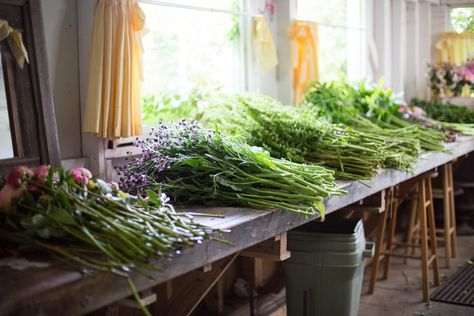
pixel 455 48
pixel 262 37
pixel 15 41
pixel 304 55
pixel 113 105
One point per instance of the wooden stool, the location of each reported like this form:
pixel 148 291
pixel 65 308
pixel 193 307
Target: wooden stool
pixel 427 226
pixel 446 193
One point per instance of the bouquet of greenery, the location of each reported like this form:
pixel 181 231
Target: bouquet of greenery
pixel 372 108
pixel 92 224
pixel 193 165
pixel 300 135
pixel 445 111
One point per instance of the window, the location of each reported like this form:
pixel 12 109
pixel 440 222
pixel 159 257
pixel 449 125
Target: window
pixel 6 146
pixel 342 36
pixel 187 51
pixel 462 19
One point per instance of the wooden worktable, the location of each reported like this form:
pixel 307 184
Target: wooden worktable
pixel 58 290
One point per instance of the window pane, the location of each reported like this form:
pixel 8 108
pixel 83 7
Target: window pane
pixel 462 19
pixel 332 12
pixel 187 47
pixel 342 36
pixel 332 53
pixel 6 147
pixel 216 4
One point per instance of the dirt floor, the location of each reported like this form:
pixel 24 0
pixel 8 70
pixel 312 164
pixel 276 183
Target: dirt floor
pixel 401 294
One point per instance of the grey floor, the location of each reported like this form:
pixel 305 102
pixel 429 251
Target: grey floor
pixel 401 294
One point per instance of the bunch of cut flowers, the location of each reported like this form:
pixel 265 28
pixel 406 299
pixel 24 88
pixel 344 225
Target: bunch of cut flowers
pixel 196 166
pixel 448 80
pixel 92 224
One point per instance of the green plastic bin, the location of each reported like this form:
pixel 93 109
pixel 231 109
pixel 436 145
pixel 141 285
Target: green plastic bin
pixel 326 268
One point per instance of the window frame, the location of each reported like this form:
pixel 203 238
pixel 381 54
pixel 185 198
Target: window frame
pixel 102 153
pixel 28 91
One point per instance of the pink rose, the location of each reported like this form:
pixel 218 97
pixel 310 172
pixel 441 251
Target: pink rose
pixel 18 176
pixel 114 186
pixel 7 194
pixel 81 175
pixel 41 173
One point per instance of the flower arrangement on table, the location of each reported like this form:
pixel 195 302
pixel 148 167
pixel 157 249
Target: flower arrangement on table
pixel 447 80
pixel 91 224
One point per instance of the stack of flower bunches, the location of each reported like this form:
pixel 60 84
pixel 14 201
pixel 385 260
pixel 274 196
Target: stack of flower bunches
pixel 90 223
pixel 335 103
pixel 451 117
pixel 368 107
pixel 195 166
pixel 291 133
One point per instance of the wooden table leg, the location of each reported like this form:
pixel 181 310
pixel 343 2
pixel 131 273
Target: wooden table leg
pixel 410 230
pixel 424 240
pixel 379 245
pixel 432 231
pixel 447 214
pixel 393 209
pixel 452 214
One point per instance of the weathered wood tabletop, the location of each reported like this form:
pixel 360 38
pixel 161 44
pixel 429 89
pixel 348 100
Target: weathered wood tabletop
pixel 54 289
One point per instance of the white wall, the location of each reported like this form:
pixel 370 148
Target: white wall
pixel 60 23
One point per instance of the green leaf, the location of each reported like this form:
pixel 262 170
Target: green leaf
pixel 319 205
pixel 39 220
pixel 62 198
pixel 153 197
pixel 62 216
pixel 44 233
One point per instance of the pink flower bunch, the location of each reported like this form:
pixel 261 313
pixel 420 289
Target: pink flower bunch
pixel 19 176
pixel 465 73
pixel 23 178
pixel 81 175
pixel 17 181
pixel 114 186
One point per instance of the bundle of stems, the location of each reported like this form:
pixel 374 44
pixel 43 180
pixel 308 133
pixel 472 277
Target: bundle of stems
pixel 462 128
pixel 445 111
pixel 94 226
pixel 366 107
pixel 298 135
pixel 193 165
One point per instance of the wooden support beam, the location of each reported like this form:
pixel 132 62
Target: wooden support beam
pixel 193 287
pixel 374 204
pixel 272 249
pixel 207 267
pixel 147 298
pixel 215 299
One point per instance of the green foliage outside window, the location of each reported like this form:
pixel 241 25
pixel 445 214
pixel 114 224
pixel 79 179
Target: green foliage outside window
pixel 462 19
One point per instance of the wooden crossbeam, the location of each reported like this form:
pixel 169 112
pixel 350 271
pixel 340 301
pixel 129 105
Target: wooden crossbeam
pixel 374 204
pixel 272 249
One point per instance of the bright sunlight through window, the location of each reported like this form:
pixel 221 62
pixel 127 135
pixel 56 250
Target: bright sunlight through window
pixel 342 36
pixel 186 52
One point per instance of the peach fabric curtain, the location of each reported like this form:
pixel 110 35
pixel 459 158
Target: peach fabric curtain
pixel 265 47
pixel 304 55
pixel 455 48
pixel 15 42
pixel 113 105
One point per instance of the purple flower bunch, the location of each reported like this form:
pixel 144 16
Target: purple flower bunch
pixel 164 145
pixel 195 166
